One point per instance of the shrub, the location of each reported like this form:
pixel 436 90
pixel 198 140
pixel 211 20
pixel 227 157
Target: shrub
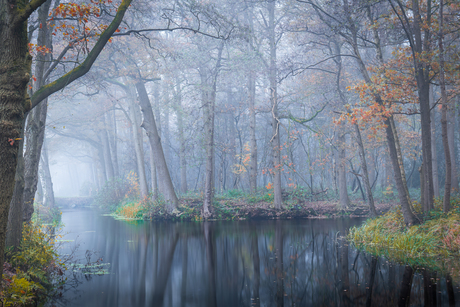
pixel 132 210
pixel 36 265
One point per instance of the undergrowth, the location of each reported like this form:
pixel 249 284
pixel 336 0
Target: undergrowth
pixel 435 243
pixel 33 270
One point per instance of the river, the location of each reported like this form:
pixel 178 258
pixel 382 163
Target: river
pixel 232 263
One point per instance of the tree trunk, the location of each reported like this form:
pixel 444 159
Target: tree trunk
pixel 45 174
pixel 275 141
pixel 209 104
pixel 153 174
pixel 445 140
pixel 155 142
pixel 343 193
pixel 434 152
pixel 37 117
pixel 138 144
pixel 157 184
pixel 14 228
pixel 451 121
pixel 165 124
pixel 15 67
pixel 409 217
pixel 106 150
pixel 34 135
pixel 252 113
pixel 422 76
pixel 367 185
pixel 400 158
pixel 180 127
pixel 15 64
pixel 112 125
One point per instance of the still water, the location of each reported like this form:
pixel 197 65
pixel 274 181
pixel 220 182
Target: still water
pixel 238 263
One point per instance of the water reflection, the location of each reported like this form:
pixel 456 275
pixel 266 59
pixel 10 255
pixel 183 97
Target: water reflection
pixel 269 263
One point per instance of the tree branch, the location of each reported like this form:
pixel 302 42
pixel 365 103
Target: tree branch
pixel 84 67
pixel 24 13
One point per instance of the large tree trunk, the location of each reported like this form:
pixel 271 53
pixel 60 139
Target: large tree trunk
pixel 155 142
pixel 157 183
pixel 34 134
pixel 14 229
pixel 15 64
pixel 209 104
pixel 275 141
pixel 138 144
pixel 37 117
pixel 422 76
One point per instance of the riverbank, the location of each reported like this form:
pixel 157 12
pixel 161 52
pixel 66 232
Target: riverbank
pixel 190 209
pixel 434 244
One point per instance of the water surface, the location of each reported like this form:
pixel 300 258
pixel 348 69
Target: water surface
pixel 235 263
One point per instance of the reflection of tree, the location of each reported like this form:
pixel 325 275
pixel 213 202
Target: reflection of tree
pixel 429 287
pixel 255 299
pixel 272 263
pixel 210 257
pixel 279 273
pixel 406 285
pixel 450 290
pixel 183 288
pixel 371 282
pixel 164 267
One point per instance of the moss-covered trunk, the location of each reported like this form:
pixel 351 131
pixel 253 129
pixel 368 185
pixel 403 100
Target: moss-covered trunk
pixel 15 63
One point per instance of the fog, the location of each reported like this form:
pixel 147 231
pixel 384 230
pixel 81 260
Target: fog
pixel 249 96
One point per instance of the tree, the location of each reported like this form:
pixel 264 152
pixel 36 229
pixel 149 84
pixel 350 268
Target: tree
pixel 15 61
pixel 345 22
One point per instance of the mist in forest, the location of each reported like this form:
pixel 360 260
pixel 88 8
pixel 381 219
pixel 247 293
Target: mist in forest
pixel 266 96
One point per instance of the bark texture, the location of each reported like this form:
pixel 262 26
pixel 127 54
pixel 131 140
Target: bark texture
pixel 35 131
pixel 209 101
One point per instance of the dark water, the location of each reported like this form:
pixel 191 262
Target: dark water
pixel 245 263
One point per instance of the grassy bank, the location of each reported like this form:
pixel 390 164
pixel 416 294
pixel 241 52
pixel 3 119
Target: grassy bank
pixel 435 243
pixel 231 207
